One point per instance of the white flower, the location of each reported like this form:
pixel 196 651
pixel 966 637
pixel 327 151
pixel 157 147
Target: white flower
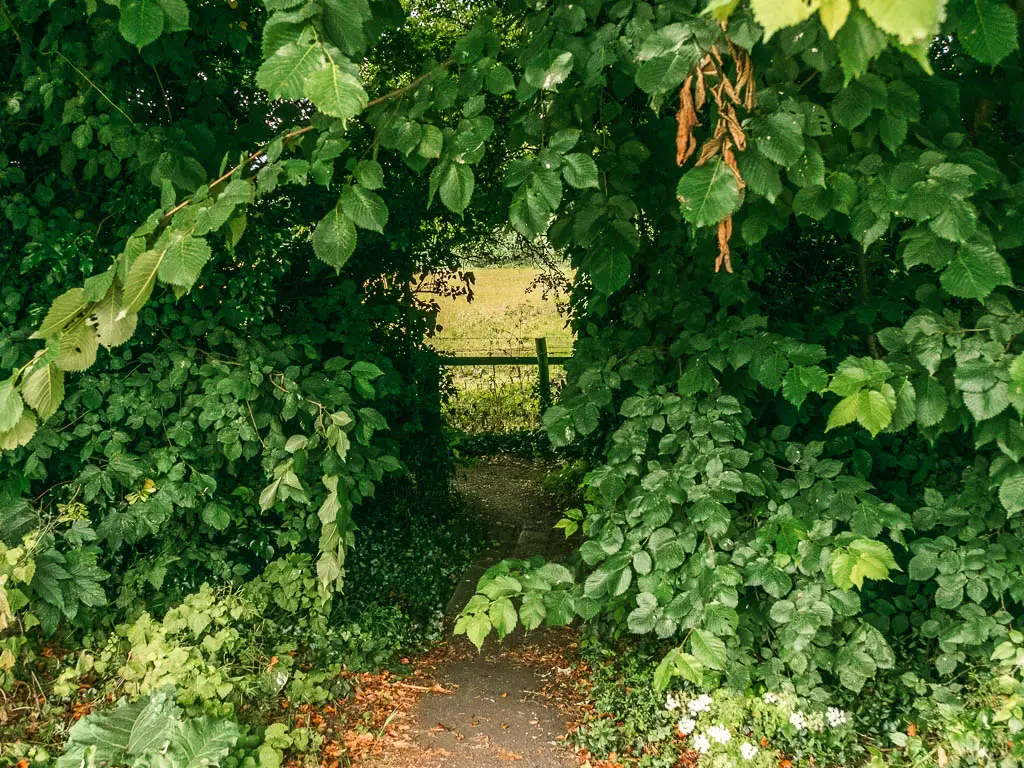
pixel 770 698
pixel 836 717
pixel 719 733
pixel 701 743
pixel 671 703
pixel 701 704
pixel 686 726
pixel 798 721
pixel 748 750
pixel 815 722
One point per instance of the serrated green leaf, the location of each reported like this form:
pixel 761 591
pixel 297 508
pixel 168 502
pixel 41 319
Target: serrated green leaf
pixel 64 309
pixel 203 742
pixel 283 75
pixel 138 286
pixel 912 21
pixel 334 239
pixel 20 434
pixel 708 649
pixel 78 347
pixel 456 186
pixel 366 209
pixel 580 170
pixel 43 391
pixel 11 405
pixel 549 69
pixel 142 21
pixel 335 91
pixel 708 194
pixel 988 30
pixel 182 260
pixel 973 273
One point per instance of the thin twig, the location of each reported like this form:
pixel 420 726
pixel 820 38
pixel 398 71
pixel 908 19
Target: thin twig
pixel 90 82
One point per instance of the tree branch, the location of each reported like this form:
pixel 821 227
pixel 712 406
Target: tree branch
pixel 301 131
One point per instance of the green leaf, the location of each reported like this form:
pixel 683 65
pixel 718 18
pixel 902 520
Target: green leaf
pixel 922 565
pixel 548 69
pixel 43 391
pixel 564 140
pixel 203 742
pixel 912 21
pixel 283 75
pixel 129 730
pixel 774 15
pixel 499 80
pixel 708 194
pixel 988 404
pixel 216 516
pixel 864 559
pixel 800 381
pixel 973 273
pixel 183 259
pixel 113 324
pixel 834 14
pixel 142 21
pixel 532 610
pixel 456 186
pixel 875 409
pixel 432 142
pixel 369 174
pixel 580 170
pixel 988 30
pixel 844 413
pixel 779 138
pixel 138 286
pixel 608 271
pixel 366 209
pixel 64 309
pixel 674 664
pixel 78 347
pixel 708 649
pixel 334 239
pixel 529 212
pixel 11 405
pixel 858 42
pixel 335 91
pixel 177 15
pixel 1011 493
pixel 503 616
pixel 20 434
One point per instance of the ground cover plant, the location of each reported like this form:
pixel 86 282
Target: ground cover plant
pixel 794 227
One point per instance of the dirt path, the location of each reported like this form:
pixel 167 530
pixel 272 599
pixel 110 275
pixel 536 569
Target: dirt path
pixel 510 703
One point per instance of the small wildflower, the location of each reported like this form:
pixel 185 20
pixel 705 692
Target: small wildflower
pixel 798 721
pixel 748 750
pixel 836 717
pixel 770 698
pixel 815 722
pixel 671 703
pixel 701 704
pixel 686 726
pixel 719 733
pixel 701 743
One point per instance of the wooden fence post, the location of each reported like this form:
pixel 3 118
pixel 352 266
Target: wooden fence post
pixel 545 375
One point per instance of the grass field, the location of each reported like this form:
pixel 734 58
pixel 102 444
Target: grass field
pixel 503 319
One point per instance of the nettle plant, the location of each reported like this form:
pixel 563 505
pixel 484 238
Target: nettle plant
pixel 789 217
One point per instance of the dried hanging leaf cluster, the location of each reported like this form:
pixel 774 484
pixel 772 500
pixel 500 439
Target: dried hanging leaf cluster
pixel 710 78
